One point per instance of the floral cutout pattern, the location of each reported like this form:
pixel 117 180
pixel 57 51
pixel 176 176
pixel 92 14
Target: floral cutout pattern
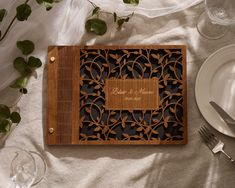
pixel 165 124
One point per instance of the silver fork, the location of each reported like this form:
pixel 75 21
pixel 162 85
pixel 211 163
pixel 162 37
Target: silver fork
pixel 213 143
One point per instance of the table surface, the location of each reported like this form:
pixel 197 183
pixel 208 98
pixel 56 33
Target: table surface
pixel 190 165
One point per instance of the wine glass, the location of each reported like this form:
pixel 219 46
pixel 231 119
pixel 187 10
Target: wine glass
pixel 20 168
pixel 214 22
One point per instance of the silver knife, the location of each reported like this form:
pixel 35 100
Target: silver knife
pixel 224 115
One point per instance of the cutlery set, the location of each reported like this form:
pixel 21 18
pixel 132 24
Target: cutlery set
pixel 212 142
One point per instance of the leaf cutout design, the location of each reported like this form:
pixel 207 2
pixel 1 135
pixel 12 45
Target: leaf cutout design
pixel 155 131
pixel 123 124
pixel 155 56
pixel 112 65
pixel 88 68
pixel 126 51
pixel 129 68
pixel 126 135
pixel 148 65
pixel 139 129
pixel 88 110
pixel 105 129
pixel 82 118
pixel 174 82
pixel 112 132
pixel 113 120
pixel 113 56
pixel 97 129
pixel 160 86
pixel 172 110
pixel 83 92
pixel 112 112
pixel 125 76
pixel 97 87
pixel 172 68
pixel 90 124
pixel 147 130
pixel 133 124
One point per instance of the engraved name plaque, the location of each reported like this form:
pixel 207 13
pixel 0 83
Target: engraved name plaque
pixel 131 94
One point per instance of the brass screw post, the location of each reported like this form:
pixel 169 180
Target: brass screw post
pixel 51 130
pixel 52 59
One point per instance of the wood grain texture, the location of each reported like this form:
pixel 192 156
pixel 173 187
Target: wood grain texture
pixel 77 97
pixel 131 94
pixel 63 98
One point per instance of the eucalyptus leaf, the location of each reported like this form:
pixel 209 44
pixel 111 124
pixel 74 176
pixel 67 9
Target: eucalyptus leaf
pixel 26 46
pixel 24 90
pixel 45 2
pixel 2 14
pixel 49 1
pixel 20 82
pixel 120 22
pixel 127 19
pixel 23 12
pixel 133 2
pixel 4 111
pixel 5 125
pixel 34 62
pixel 95 11
pixel 115 16
pixel 39 2
pixel 21 66
pixel 15 117
pixel 96 26
pixel 48 6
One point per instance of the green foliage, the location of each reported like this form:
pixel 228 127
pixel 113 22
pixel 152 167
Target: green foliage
pixel 25 67
pixel 114 17
pixel 99 26
pixel 23 12
pixel 15 117
pixel 5 125
pixel 7 118
pixel 133 2
pixel 21 66
pixel 34 62
pixel 47 3
pixel 20 82
pixel 26 46
pixel 4 112
pixel 121 21
pixel 95 11
pixel 3 13
pixel 96 26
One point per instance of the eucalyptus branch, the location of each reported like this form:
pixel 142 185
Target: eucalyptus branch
pixel 99 26
pixel 26 66
pixel 23 11
pixel 10 25
pixel 8 28
pixel 93 4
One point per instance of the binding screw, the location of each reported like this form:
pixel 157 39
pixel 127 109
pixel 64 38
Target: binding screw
pixel 51 130
pixel 52 59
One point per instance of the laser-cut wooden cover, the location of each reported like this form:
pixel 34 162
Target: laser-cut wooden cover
pixel 76 113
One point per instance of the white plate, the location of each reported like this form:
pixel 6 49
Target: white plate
pixel 216 81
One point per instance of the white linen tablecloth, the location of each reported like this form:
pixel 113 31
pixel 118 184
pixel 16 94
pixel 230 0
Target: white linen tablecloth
pixel 185 166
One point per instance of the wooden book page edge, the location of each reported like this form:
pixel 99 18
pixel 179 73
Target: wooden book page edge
pixel 52 95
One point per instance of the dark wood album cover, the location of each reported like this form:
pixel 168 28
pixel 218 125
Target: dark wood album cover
pixel 116 95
